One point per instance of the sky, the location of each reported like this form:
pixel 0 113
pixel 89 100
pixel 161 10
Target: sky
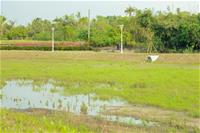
pixel 24 11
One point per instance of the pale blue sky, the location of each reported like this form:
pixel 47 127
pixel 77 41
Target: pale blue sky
pixel 23 12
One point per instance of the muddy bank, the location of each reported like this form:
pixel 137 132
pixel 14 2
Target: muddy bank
pixel 161 116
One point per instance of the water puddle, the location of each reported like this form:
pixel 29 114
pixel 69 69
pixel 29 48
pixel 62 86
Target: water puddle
pixel 128 120
pixel 23 94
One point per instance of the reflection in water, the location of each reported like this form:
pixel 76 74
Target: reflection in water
pixel 22 94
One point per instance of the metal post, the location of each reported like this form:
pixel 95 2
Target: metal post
pixel 52 39
pixel 121 27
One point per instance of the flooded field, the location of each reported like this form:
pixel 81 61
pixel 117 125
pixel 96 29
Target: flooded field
pixel 24 94
pixel 98 92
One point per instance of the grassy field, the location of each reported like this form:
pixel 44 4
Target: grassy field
pixel 172 83
pixel 32 121
pixel 14 121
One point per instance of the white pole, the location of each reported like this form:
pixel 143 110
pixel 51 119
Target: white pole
pixel 121 27
pixel 52 39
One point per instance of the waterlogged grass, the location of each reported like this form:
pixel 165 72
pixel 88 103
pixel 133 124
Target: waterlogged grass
pixel 172 82
pixel 40 121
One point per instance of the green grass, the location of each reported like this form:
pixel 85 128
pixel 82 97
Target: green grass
pixel 171 83
pixel 40 121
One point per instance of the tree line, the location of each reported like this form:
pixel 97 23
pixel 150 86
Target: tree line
pixel 167 31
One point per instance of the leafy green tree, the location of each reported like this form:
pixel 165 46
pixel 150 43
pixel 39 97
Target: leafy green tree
pixel 83 35
pixel 5 26
pixel 2 22
pixel 145 18
pixel 103 34
pixel 129 11
pixel 18 32
pixel 167 31
pixel 39 29
pixel 44 36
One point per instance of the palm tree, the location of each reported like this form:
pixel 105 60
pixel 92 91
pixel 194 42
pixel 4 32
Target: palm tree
pixel 78 15
pixel 129 11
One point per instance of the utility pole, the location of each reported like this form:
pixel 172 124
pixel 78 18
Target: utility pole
pixel 52 43
pixel 121 48
pixel 89 26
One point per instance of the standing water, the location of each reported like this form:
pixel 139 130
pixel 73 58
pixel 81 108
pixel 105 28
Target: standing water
pixel 23 94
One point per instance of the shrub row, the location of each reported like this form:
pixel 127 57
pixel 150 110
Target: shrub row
pixel 44 48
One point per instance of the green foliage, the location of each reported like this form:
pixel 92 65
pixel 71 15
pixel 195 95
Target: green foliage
pixel 177 34
pixel 167 31
pixel 19 32
pixel 103 34
pixel 42 36
pixel 145 18
pixel 83 35
pixel 44 48
pixel 39 29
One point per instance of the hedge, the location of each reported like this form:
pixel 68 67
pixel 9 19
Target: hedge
pixel 44 48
